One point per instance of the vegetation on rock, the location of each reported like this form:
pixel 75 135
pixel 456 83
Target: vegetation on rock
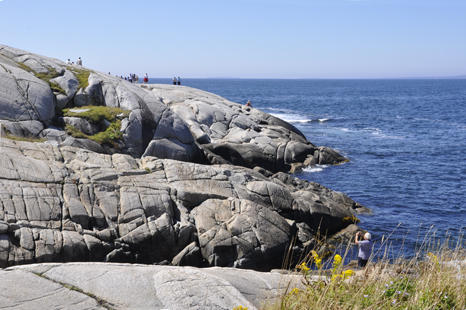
pixel 46 77
pixel 27 139
pixel 81 75
pixel 110 136
pixel 95 114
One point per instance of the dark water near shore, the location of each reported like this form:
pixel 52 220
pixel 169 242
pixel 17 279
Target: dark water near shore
pixel 406 141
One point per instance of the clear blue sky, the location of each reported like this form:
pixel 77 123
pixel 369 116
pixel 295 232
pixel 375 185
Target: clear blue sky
pixel 245 38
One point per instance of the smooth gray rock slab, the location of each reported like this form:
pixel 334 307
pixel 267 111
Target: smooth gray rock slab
pixel 126 286
pixel 21 290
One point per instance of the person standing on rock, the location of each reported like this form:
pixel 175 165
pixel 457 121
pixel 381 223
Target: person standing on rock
pixel 146 78
pixel 68 62
pixel 174 80
pixel 249 104
pixel 179 81
pixel 79 62
pixel 365 248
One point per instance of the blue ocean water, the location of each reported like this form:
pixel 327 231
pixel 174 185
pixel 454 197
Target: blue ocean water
pixel 406 141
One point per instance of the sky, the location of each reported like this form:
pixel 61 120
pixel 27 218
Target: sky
pixel 291 39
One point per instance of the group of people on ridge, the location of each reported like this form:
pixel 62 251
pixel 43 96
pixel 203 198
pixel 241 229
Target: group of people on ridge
pixel 79 62
pixel 132 78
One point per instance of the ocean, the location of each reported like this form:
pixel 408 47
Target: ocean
pixel 405 139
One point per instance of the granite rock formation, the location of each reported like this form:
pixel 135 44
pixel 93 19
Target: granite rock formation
pixel 188 178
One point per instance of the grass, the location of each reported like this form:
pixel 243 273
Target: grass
pixel 81 75
pixel 46 77
pixel 110 136
pixel 96 114
pixel 426 281
pixel 27 139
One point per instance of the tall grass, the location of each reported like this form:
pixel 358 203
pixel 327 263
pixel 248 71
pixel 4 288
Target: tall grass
pixel 435 278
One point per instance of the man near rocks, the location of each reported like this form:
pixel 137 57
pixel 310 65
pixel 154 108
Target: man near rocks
pixel 79 62
pixel 146 78
pixel 174 80
pixel 179 81
pixel 365 247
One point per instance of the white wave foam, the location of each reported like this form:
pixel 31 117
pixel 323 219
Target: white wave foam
pixel 322 120
pixel 300 121
pixel 292 118
pixel 316 168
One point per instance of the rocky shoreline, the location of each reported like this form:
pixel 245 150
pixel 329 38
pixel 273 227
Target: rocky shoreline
pixel 152 174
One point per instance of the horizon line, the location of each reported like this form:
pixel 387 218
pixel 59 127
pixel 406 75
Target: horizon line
pixel 381 78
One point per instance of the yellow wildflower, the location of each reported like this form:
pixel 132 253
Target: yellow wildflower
pixel 337 261
pixel 348 273
pixel 294 291
pixel 317 259
pixel 344 275
pixel 433 257
pixel 303 267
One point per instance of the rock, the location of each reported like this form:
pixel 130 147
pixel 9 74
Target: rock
pixel 41 293
pixel 25 129
pixel 189 256
pixel 94 90
pixel 83 125
pixel 123 286
pixel 241 234
pixel 23 97
pixel 68 82
pixel 4 227
pixel 77 203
